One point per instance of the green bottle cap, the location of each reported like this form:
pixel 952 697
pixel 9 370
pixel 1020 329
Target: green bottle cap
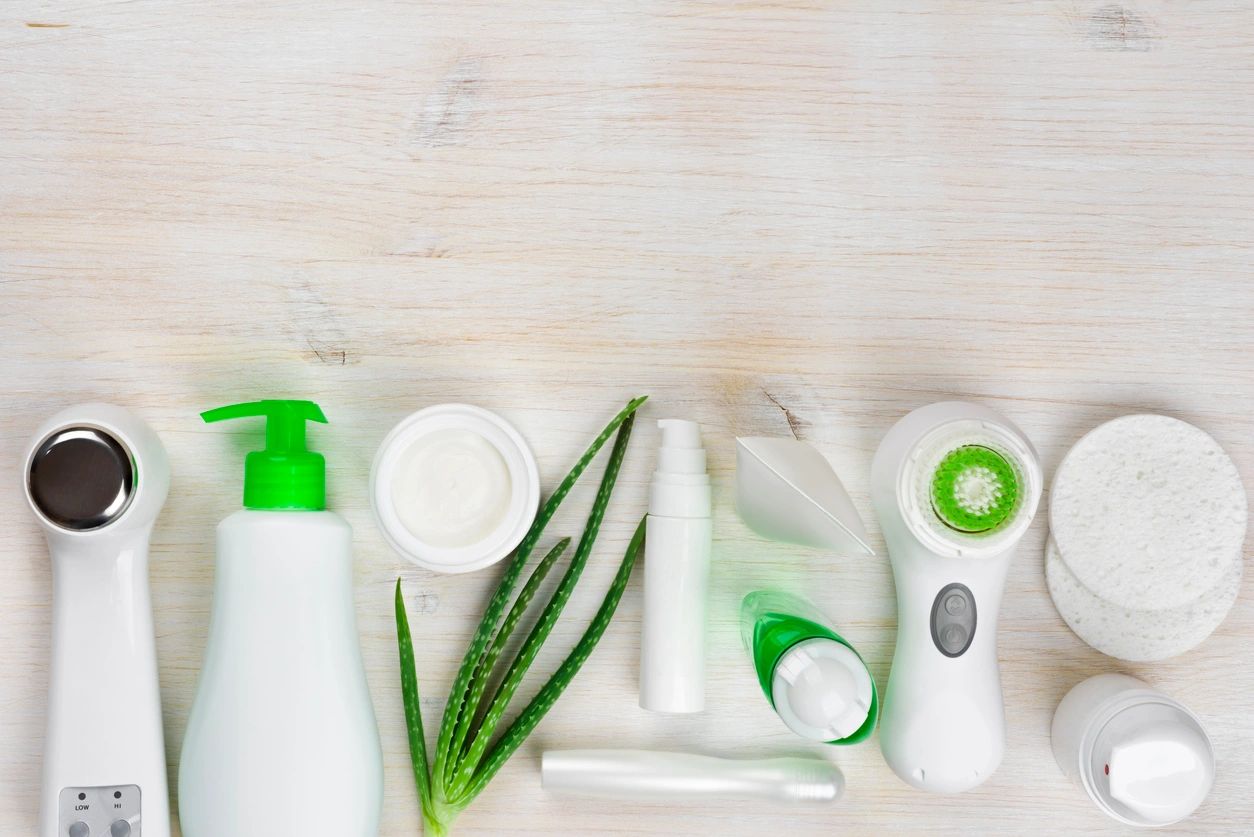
pixel 284 475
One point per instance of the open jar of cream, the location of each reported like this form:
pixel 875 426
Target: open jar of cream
pixel 454 488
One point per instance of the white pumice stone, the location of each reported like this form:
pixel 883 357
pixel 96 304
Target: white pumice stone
pixel 1138 635
pixel 1148 512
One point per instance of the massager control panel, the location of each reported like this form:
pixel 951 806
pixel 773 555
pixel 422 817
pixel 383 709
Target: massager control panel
pixel 111 811
pixel 953 620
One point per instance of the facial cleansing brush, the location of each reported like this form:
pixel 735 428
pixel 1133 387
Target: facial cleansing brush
pixel 96 477
pixel 954 486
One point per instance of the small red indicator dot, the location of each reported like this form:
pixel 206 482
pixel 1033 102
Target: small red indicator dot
pixel 1108 770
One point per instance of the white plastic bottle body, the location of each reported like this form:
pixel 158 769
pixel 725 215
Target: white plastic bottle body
pixel 676 585
pixel 282 739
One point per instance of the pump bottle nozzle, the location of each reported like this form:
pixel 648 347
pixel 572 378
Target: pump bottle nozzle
pixel 284 475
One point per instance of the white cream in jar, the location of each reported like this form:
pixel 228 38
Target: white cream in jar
pixel 451 488
pixel 454 488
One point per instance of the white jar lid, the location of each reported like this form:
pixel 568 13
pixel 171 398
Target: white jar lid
pixel 822 690
pixel 524 489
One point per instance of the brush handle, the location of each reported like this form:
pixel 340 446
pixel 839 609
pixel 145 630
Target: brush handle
pixel 647 776
pixel 943 724
pixel 104 709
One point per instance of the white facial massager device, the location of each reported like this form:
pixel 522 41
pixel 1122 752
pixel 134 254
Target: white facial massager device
pixel 96 477
pixel 955 486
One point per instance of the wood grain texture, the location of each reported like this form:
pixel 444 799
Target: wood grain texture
pixel 773 217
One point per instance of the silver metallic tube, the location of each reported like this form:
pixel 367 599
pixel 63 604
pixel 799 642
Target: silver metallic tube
pixel 647 776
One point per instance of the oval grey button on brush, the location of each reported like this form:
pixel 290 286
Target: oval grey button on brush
pixel 81 478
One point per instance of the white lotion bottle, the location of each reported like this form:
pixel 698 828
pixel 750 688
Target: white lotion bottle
pixel 677 543
pixel 282 739
pixel 1143 758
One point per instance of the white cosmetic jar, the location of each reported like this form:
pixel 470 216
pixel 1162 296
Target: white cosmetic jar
pixel 468 431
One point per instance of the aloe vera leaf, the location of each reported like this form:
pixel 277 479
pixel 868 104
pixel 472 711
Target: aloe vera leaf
pixel 528 592
pixel 458 695
pixel 548 618
pixel 413 709
pixel 539 705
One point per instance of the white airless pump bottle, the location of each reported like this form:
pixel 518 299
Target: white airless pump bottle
pixel 676 574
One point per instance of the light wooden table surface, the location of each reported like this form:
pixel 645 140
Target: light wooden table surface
pixel 775 217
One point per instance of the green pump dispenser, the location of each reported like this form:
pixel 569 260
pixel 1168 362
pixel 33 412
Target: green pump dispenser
pixel 284 475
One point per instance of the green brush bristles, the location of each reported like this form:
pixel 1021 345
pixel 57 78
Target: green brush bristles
pixel 974 489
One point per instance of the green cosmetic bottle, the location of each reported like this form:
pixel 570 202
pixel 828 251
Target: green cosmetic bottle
pixel 813 678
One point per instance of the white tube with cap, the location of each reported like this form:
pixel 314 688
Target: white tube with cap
pixel 676 574
pixel 646 776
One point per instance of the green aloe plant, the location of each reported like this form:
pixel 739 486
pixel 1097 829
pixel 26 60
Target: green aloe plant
pixel 468 753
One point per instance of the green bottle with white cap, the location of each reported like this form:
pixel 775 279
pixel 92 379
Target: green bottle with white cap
pixel 282 736
pixel 813 678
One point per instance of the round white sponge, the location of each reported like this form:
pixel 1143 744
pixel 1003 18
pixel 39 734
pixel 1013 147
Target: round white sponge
pixel 1138 635
pixel 1148 512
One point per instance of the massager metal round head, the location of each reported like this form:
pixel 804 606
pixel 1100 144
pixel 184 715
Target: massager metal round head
pixel 81 478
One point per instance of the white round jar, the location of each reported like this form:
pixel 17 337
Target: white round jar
pixel 454 488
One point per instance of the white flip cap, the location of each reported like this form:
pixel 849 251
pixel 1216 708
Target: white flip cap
pixel 1158 762
pixel 822 690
